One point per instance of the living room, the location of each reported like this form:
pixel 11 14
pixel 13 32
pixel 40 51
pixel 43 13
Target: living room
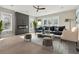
pixel 52 23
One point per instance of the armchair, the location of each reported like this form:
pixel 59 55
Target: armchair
pixel 70 35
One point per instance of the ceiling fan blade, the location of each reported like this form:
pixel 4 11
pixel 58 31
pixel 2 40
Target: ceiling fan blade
pixel 37 10
pixel 38 7
pixel 42 8
pixel 35 7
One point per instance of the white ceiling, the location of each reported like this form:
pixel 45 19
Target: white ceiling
pixel 50 9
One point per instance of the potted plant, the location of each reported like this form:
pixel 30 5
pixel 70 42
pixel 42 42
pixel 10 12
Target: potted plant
pixel 35 25
pixel 1 27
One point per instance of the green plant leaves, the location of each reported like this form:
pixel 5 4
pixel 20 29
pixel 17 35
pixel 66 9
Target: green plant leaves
pixel 35 24
pixel 1 26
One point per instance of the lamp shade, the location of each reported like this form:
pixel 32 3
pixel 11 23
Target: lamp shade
pixel 74 29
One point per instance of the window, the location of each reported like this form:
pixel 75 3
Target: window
pixel 39 22
pixel 7 20
pixel 56 20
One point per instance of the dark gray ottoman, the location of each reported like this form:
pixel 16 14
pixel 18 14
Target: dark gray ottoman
pixel 40 35
pixel 28 37
pixel 47 41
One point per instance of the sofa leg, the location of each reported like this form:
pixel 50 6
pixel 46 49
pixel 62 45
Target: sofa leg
pixel 77 49
pixel 76 44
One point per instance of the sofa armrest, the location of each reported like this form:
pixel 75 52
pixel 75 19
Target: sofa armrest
pixel 69 35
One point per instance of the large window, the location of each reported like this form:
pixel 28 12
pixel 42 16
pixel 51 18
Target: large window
pixel 39 22
pixel 56 20
pixel 7 21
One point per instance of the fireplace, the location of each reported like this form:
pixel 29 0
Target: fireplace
pixel 22 26
pixel 21 29
pixel 22 23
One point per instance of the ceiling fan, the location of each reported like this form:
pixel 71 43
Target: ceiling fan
pixel 38 8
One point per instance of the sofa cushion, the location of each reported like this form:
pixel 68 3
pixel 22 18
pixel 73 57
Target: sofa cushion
pixel 56 29
pixel 40 28
pixel 57 32
pixel 46 28
pixel 52 28
pixel 61 28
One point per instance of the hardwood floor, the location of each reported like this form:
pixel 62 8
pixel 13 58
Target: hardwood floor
pixel 17 45
pixel 59 47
